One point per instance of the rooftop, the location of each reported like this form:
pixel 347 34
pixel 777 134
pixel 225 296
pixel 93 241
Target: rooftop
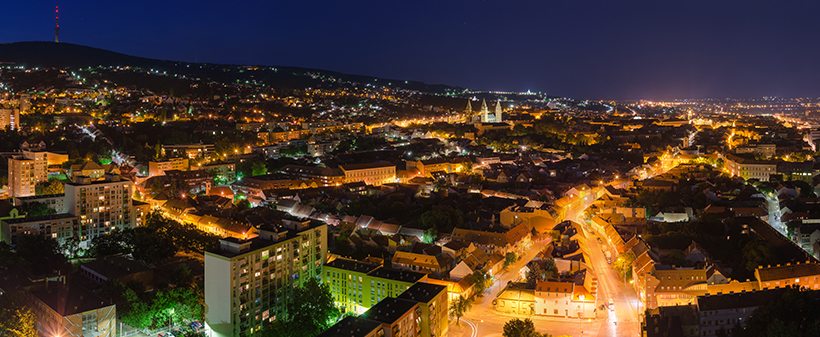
pixel 351 326
pixel 352 265
pixel 389 310
pixel 738 300
pixel 423 292
pixel 397 275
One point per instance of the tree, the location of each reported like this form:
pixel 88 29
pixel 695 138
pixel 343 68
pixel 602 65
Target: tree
pixel 623 264
pixel 509 259
pixel 182 277
pixel 539 273
pixel 429 236
pixel 310 311
pixel 16 319
pixel 443 219
pixel 459 307
pixel 758 253
pixel 259 168
pixel 795 313
pixel 52 186
pixel 520 328
pixel 40 254
pixel 480 281
pixel 37 209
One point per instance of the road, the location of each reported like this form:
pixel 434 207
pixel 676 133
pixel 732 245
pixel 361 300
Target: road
pixel 484 321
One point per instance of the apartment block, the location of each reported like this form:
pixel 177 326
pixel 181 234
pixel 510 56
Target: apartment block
pixel 724 311
pixel 358 286
pixel 26 170
pixel 60 227
pixel 434 305
pixel 53 201
pixel 372 173
pixel 100 205
pixel 158 168
pixel 9 118
pixel 247 281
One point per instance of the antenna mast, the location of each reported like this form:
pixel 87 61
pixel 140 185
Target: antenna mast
pixel 57 24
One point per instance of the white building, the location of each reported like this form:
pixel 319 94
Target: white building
pixel 100 205
pixel 247 281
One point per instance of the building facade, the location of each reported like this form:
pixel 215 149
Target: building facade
pixel 371 174
pixel 247 281
pixel 26 170
pixel 100 205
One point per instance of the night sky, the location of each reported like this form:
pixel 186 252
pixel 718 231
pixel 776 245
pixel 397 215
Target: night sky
pixel 597 49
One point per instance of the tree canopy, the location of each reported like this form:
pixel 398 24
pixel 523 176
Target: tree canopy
pixel 310 311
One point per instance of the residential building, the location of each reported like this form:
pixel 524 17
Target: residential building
pixel 513 240
pixel 246 281
pixel 61 308
pixel 26 170
pixel 88 169
pixel 158 168
pixel 353 326
pixel 681 320
pixel 399 317
pixel 438 264
pixel 722 312
pixel 190 151
pixel 196 180
pixel 53 201
pixel 318 149
pixel 372 173
pixel 806 275
pixel 223 171
pixel 60 227
pixel 9 118
pixel 358 286
pixel 516 298
pixel 434 305
pixel 665 285
pixel 328 176
pixel 100 205
pixel 748 168
pixel 118 268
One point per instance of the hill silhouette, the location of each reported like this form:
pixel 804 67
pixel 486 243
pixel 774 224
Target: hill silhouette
pixel 67 55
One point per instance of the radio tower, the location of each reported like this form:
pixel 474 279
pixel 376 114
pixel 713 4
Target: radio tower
pixel 57 24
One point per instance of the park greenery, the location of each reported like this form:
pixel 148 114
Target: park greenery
pixel 623 265
pixel 163 307
pixel 796 313
pixel 459 307
pixel 16 319
pixel 541 271
pixel 158 239
pixel 310 310
pixel 481 281
pixel 522 328
pixel 36 208
pixel 509 259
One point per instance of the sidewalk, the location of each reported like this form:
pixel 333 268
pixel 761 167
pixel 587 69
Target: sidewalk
pixel 461 330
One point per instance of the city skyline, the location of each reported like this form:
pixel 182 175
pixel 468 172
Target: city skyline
pixel 593 50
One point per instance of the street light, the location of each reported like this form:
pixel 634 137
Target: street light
pixel 580 313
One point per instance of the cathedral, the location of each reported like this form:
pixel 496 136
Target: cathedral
pixel 485 116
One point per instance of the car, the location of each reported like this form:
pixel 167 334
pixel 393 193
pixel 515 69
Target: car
pixel 610 304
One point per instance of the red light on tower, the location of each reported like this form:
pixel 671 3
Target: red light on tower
pixel 57 24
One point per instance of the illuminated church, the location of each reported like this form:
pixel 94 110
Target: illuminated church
pixel 485 116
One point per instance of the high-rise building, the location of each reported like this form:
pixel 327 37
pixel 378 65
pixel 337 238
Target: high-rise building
pixel 100 205
pixel 9 118
pixel 26 170
pixel 25 102
pixel 248 281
